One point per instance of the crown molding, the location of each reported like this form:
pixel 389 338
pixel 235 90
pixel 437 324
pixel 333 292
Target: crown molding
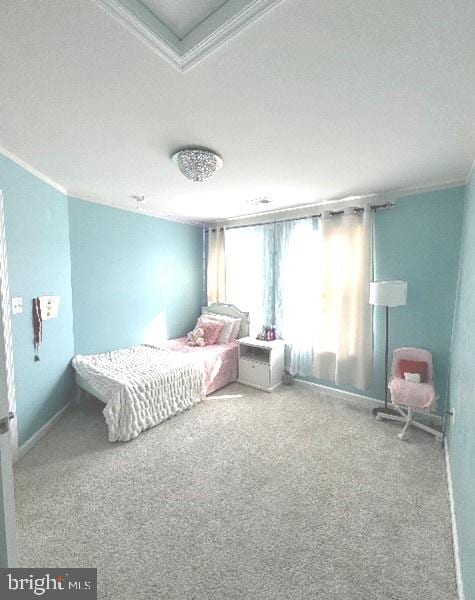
pixel 384 196
pixel 143 210
pixel 471 172
pixel 33 171
pixel 423 189
pixel 88 198
pixel 207 36
pixel 137 19
pixel 210 35
pixel 307 209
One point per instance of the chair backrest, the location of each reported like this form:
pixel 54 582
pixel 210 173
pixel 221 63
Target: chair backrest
pixel 420 354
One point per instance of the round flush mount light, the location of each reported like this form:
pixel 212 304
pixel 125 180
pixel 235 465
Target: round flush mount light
pixel 197 164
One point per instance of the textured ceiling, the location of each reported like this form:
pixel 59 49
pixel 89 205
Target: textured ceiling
pixel 313 101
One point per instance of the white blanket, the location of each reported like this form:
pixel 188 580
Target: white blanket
pixel 142 386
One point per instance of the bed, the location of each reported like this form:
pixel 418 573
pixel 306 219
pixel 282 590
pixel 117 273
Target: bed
pixel 144 385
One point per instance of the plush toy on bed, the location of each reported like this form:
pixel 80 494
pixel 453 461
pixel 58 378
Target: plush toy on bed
pixel 196 337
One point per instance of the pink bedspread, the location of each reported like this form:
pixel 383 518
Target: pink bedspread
pixel 220 361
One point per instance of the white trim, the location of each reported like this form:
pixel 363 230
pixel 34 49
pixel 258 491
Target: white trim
pixel 347 395
pixel 8 442
pixel 424 189
pixel 224 32
pixel 470 173
pixel 207 36
pixel 143 210
pixel 458 570
pixel 35 438
pixel 282 213
pixel 89 198
pixel 339 393
pixel 7 331
pixel 33 171
pixel 427 418
pixel 146 27
pixel 308 209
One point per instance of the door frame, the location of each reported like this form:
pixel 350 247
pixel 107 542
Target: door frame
pixel 9 440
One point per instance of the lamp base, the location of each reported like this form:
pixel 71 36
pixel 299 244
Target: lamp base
pixel 386 410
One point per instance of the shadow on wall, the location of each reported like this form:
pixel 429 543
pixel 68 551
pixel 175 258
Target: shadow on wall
pixel 156 331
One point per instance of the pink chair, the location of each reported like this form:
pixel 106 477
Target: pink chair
pixel 408 395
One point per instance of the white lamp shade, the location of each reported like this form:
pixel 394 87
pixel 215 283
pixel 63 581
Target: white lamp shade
pixel 388 293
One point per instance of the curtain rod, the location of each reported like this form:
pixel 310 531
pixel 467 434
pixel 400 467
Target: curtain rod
pixel 333 213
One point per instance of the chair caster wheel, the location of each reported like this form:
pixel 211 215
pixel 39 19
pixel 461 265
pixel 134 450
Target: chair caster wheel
pixel 402 437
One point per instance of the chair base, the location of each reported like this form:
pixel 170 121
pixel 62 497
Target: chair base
pixel 408 419
pixel 386 410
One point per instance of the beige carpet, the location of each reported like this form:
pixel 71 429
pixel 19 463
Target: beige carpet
pixel 282 496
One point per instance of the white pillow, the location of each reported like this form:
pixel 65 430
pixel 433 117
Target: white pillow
pixel 230 329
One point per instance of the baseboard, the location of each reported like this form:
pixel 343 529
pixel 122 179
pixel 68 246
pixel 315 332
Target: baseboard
pixel 354 396
pixel 426 418
pixel 36 437
pixel 455 538
pixel 330 391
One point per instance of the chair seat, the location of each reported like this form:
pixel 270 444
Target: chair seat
pixel 420 396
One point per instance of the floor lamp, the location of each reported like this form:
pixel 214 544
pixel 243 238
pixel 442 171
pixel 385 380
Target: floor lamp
pixel 387 294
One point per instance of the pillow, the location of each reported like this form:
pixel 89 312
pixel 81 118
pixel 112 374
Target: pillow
pixel 413 366
pixel 235 331
pixel 211 330
pixel 231 327
pixel 412 377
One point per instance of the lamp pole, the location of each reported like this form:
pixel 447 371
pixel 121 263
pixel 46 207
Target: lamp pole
pixel 385 409
pixel 387 294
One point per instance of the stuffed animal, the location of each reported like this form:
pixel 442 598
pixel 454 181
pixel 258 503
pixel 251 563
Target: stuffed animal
pixel 196 337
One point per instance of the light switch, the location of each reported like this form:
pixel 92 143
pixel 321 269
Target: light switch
pixel 49 306
pixel 17 305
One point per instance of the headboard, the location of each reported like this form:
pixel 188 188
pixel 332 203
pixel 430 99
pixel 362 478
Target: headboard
pixel 229 310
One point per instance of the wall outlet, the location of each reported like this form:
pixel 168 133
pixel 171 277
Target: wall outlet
pixel 17 305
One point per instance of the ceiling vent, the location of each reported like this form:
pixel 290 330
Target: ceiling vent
pixel 258 201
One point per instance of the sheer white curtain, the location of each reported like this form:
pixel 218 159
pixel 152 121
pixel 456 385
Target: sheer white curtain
pixel 343 346
pixel 249 273
pixel 297 289
pixel 216 271
pixel 310 277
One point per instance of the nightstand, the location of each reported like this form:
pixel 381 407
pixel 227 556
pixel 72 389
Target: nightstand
pixel 261 363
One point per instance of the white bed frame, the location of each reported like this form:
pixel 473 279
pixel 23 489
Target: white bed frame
pixel 218 308
pixel 229 310
pixel 82 386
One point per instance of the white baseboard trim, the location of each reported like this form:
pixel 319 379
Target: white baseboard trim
pixel 427 418
pixel 354 396
pixel 455 538
pixel 339 393
pixel 36 437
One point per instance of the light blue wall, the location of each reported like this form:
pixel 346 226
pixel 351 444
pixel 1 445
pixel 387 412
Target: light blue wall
pixel 462 399
pixel 37 234
pixel 418 241
pixel 127 270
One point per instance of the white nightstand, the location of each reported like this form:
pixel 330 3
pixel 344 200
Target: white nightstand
pixel 261 363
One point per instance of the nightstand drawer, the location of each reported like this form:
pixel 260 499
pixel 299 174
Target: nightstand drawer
pixel 254 372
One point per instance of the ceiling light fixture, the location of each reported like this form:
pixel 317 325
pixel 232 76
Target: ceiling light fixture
pixel 197 164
